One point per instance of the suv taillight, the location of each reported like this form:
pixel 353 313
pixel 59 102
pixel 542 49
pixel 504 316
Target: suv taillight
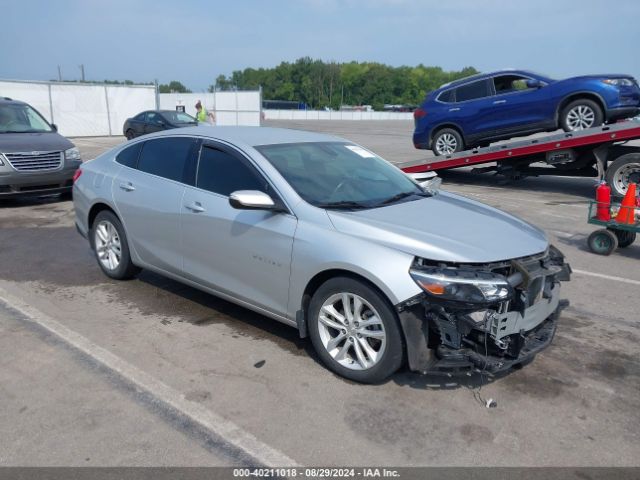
pixel 419 113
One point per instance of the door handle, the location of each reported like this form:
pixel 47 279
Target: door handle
pixel 454 109
pixel 499 101
pixel 127 187
pixel 195 207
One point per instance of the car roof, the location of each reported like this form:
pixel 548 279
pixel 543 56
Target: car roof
pixel 481 76
pixel 251 136
pixel 10 101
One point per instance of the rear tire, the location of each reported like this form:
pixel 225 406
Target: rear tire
pixel 362 341
pixel 130 134
pixel 625 237
pixel 110 245
pixel 603 242
pixel 581 114
pixel 623 171
pixel 447 142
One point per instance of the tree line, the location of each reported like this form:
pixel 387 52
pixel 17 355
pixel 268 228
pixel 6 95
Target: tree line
pixel 331 84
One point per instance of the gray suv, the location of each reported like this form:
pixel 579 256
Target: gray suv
pixel 34 158
pixel 324 235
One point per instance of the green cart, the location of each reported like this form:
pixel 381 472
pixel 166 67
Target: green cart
pixel 605 240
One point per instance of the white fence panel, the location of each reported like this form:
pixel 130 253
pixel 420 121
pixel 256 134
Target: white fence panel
pixel 126 102
pixel 35 94
pixel 337 115
pixel 80 110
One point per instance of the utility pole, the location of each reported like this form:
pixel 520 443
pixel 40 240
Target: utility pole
pixel 82 72
pixel 59 74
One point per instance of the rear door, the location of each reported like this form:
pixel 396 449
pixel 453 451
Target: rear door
pixel 154 123
pixel 243 253
pixel 148 196
pixel 471 108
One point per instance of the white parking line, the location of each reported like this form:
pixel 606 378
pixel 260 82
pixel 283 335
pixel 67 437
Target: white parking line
pixel 213 423
pixel 608 277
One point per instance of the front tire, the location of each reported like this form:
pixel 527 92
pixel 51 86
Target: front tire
pixel 111 248
pixel 581 114
pixel 355 330
pixel 603 242
pixel 447 142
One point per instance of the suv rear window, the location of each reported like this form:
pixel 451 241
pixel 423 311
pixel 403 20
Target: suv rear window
pixel 446 96
pixel 472 91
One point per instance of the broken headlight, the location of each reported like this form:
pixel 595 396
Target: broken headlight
pixel 469 286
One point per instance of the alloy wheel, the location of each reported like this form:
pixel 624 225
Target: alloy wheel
pixel 580 117
pixel 446 144
pixel 351 331
pixel 108 246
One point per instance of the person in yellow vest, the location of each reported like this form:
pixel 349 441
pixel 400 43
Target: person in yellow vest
pixel 202 115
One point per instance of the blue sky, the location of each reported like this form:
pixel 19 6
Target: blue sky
pixel 196 40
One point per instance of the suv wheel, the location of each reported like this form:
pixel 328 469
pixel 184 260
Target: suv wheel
pixel 355 331
pixel 446 142
pixel 580 114
pixel 109 243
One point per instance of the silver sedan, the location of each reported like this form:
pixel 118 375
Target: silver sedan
pixel 377 269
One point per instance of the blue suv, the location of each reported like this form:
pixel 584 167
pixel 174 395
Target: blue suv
pixel 494 106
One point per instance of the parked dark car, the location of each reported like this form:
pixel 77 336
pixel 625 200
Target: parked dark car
pixel 493 106
pixel 155 121
pixel 34 158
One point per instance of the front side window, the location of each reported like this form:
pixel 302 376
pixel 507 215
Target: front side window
pixel 223 173
pixel 166 157
pixel 510 83
pixel 472 91
pixel 179 117
pixel 334 175
pixel 21 118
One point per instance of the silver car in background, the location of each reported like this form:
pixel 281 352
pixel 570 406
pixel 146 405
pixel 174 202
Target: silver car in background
pixel 324 235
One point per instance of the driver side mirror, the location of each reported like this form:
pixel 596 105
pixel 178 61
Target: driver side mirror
pixel 429 181
pixel 251 200
pixel 534 83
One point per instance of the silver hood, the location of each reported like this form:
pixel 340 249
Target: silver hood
pixel 446 227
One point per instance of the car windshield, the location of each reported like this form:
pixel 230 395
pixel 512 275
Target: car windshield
pixel 340 175
pixel 21 118
pixel 179 117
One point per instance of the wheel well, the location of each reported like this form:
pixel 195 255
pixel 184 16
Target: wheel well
pixel 95 210
pixel 322 277
pixel 447 125
pixel 578 96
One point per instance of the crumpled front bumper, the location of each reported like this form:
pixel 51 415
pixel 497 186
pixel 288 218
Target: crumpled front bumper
pixel 441 340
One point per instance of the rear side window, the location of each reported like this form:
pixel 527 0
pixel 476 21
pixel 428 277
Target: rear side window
pixel 166 157
pixel 222 173
pixel 472 91
pixel 129 156
pixel 446 97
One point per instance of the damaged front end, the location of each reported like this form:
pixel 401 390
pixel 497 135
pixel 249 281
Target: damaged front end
pixel 486 317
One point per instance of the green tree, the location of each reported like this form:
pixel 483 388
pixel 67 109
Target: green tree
pixel 174 86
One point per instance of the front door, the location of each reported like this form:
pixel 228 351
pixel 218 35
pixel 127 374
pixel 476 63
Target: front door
pixel 243 253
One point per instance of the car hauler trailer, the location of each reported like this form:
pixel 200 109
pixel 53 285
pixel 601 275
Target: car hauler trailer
pixel 595 152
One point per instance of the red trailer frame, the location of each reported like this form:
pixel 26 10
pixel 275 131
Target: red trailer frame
pixel 583 153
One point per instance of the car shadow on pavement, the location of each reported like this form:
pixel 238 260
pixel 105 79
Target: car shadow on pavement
pixel 472 381
pixel 30 201
pixel 203 309
pixel 577 186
